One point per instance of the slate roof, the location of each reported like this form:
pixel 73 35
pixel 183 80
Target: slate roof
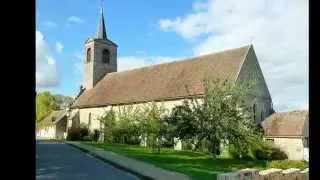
pixel 174 80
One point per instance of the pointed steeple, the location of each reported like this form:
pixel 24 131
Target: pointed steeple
pixel 101 32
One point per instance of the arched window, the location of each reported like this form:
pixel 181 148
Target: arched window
pixel 89 55
pixel 106 56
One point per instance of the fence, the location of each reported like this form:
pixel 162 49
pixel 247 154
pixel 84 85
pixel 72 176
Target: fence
pixel 269 174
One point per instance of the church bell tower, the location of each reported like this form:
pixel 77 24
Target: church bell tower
pixel 100 55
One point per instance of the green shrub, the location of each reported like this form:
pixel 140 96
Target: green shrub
pixel 233 152
pixel 79 133
pixel 87 138
pixel 239 152
pixel 263 150
pixel 256 148
pixel 204 146
pixel 151 141
pixel 186 145
pixel 286 164
pixel 278 154
pixel 133 140
pixel 74 134
pixel 95 135
pixel 109 121
pixel 168 143
pixel 84 131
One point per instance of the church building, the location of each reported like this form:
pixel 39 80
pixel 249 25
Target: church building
pixel 167 83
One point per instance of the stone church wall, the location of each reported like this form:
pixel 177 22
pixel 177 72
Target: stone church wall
pixel 293 147
pixel 259 95
pixel 99 111
pixel 95 113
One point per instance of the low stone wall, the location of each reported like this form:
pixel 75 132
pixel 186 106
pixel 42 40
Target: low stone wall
pixel 269 174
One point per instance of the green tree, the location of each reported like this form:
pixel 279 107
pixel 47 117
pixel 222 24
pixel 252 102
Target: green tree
pixel 121 124
pixel 221 116
pixel 151 124
pixel 127 123
pixel 45 104
pixel 109 121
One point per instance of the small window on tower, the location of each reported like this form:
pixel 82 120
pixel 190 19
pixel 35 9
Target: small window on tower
pixel 106 56
pixel 89 55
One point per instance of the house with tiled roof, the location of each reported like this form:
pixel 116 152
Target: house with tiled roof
pixel 168 83
pixel 54 126
pixel 289 131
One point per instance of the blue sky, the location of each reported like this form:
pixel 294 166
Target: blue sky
pixel 152 32
pixel 132 25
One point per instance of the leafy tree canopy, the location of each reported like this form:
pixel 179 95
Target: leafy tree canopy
pixel 222 115
pixel 45 104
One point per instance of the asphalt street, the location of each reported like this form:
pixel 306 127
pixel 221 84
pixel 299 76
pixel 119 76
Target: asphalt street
pixel 57 160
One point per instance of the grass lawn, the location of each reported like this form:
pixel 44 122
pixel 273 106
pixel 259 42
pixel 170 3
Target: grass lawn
pixel 196 165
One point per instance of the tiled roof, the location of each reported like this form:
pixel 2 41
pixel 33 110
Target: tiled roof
pixel 285 123
pixel 166 81
pixel 56 115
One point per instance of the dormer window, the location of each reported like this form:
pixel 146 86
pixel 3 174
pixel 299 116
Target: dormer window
pixel 106 56
pixel 53 119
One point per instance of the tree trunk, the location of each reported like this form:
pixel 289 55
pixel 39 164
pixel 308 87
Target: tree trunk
pixel 215 146
pixel 198 143
pixel 159 144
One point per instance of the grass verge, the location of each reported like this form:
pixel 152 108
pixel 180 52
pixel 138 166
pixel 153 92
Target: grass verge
pixel 197 165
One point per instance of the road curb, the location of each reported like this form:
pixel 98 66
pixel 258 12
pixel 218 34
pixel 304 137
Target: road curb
pixel 141 176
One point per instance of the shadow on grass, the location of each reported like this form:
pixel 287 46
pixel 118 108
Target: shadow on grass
pixel 196 165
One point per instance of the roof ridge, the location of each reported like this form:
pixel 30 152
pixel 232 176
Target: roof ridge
pixel 294 111
pixel 193 58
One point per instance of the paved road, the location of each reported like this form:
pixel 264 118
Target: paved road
pixel 56 160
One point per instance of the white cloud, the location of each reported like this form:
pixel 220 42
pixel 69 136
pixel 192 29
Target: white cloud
pixel 46 69
pixel 75 19
pixel 277 29
pixel 50 24
pixel 59 47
